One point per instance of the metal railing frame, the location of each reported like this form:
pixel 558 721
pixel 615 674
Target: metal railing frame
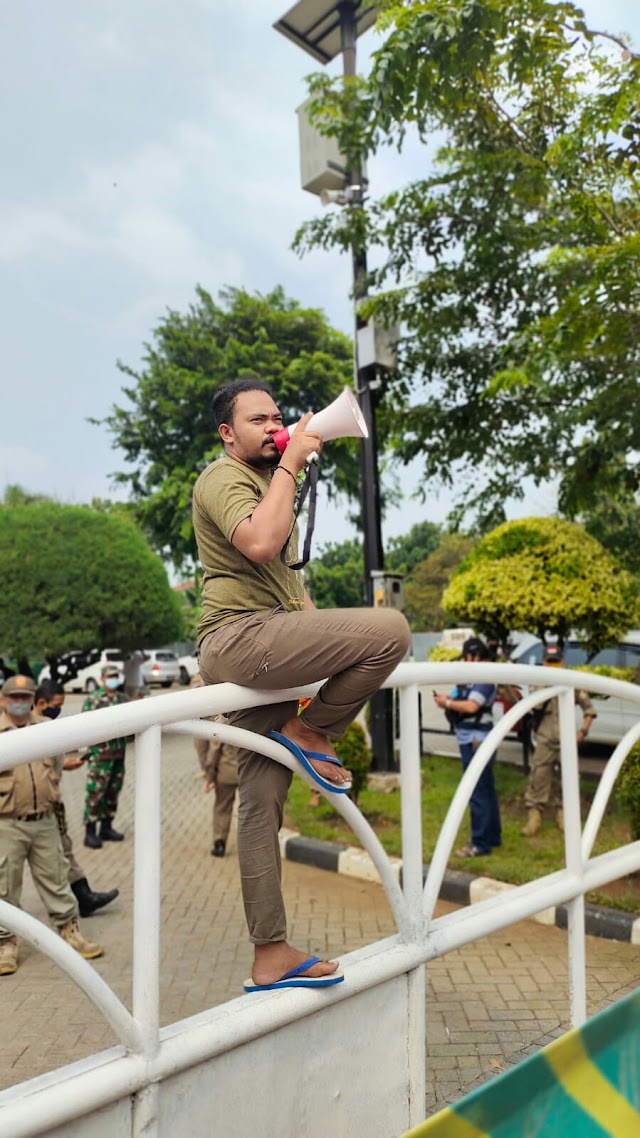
pixel 148 1053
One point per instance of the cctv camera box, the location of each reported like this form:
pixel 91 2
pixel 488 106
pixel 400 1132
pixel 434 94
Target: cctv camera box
pixel 322 166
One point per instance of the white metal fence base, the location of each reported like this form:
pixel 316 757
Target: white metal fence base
pixel 347 1060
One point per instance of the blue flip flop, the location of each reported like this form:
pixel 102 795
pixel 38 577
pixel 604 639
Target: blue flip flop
pixel 303 757
pixel 294 979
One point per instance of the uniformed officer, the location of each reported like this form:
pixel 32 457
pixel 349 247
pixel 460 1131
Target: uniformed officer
pixel 50 699
pixel 219 762
pixel 105 769
pixel 29 832
pixel 544 788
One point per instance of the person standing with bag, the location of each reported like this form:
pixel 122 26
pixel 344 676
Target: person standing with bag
pixel 468 709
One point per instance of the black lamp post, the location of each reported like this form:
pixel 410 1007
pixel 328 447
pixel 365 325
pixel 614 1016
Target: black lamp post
pixel 324 29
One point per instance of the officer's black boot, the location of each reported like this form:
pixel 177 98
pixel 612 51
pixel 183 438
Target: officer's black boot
pixel 88 901
pixel 107 832
pixel 91 839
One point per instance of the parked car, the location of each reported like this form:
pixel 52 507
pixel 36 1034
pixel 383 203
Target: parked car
pixel 614 716
pixel 189 668
pixel 161 668
pixel 83 669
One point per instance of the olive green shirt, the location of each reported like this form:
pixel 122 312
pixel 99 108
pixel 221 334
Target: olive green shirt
pixel 233 586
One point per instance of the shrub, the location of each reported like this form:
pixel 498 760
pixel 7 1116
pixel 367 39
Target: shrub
pixel 442 653
pixel 628 790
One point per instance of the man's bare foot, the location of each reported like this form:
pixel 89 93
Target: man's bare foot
pixel 310 740
pixel 272 962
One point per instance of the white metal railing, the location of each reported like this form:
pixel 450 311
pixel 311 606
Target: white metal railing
pixel 150 1053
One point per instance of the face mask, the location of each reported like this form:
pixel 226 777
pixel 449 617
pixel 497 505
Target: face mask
pixel 19 709
pixel 112 684
pixel 51 712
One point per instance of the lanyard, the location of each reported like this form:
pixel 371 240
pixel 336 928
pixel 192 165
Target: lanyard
pixel 310 489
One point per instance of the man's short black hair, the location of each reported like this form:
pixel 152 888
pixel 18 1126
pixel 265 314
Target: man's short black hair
pixel 225 397
pixel 474 646
pixel 48 689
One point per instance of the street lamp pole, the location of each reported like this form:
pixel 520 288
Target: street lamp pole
pixel 365 376
pixel 381 724
pixel 325 28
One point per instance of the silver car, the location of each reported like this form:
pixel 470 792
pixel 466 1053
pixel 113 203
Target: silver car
pixel 614 716
pixel 161 668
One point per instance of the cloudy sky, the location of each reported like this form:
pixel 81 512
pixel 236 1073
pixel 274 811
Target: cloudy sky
pixel 150 146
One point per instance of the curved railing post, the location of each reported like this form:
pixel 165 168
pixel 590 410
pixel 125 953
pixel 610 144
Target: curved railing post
pixel 146 921
pixel 411 790
pixel 573 855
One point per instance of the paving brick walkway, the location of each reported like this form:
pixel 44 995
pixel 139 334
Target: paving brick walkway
pixel 488 1004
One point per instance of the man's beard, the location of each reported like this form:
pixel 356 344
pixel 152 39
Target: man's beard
pixel 266 460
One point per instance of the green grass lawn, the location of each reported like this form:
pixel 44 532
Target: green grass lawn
pixel 518 860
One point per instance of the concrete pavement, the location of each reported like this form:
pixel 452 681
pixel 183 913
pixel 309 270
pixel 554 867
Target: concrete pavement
pixel 488 1004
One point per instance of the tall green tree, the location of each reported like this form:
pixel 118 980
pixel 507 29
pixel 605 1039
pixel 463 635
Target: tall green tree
pixel 546 576
pixel 165 431
pixel 405 552
pixel 76 579
pixel 615 522
pixel 335 577
pixel 424 590
pixel 514 264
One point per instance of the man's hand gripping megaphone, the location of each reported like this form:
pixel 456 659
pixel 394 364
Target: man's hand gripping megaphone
pixel 307 443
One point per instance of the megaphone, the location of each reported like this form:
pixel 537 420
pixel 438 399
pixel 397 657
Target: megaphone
pixel 341 419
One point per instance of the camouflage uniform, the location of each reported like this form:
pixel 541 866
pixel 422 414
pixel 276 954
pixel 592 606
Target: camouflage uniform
pixel 105 768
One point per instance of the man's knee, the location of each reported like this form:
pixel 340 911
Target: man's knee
pixel 394 631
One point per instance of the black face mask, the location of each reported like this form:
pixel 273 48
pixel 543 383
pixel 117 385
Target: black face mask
pixel 51 712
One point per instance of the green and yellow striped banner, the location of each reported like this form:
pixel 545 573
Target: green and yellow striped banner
pixel 587 1084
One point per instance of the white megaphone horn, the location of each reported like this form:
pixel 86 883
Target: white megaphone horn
pixel 341 419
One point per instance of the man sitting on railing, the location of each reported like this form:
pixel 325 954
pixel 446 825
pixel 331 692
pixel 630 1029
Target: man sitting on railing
pixel 260 629
pixel 29 832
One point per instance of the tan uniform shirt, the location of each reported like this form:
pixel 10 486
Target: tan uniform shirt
pixel 548 728
pixel 31 788
pixel 227 493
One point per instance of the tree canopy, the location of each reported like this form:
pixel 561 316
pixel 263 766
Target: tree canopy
pixel 335 577
pixel 408 550
pixel 514 264
pixel 166 432
pixel 423 591
pixel 75 579
pixel 546 576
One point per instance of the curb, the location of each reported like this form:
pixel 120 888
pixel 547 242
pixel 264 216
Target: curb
pixel 458 887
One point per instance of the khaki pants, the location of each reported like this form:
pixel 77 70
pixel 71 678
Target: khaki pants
pixel 75 870
pixel 225 759
pixel 38 843
pixel 357 649
pixel 544 787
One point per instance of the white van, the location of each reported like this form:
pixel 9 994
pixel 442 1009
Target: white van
pixel 615 716
pixel 87 676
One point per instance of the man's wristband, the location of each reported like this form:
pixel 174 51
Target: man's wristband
pixel 289 472
pixel 447 703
